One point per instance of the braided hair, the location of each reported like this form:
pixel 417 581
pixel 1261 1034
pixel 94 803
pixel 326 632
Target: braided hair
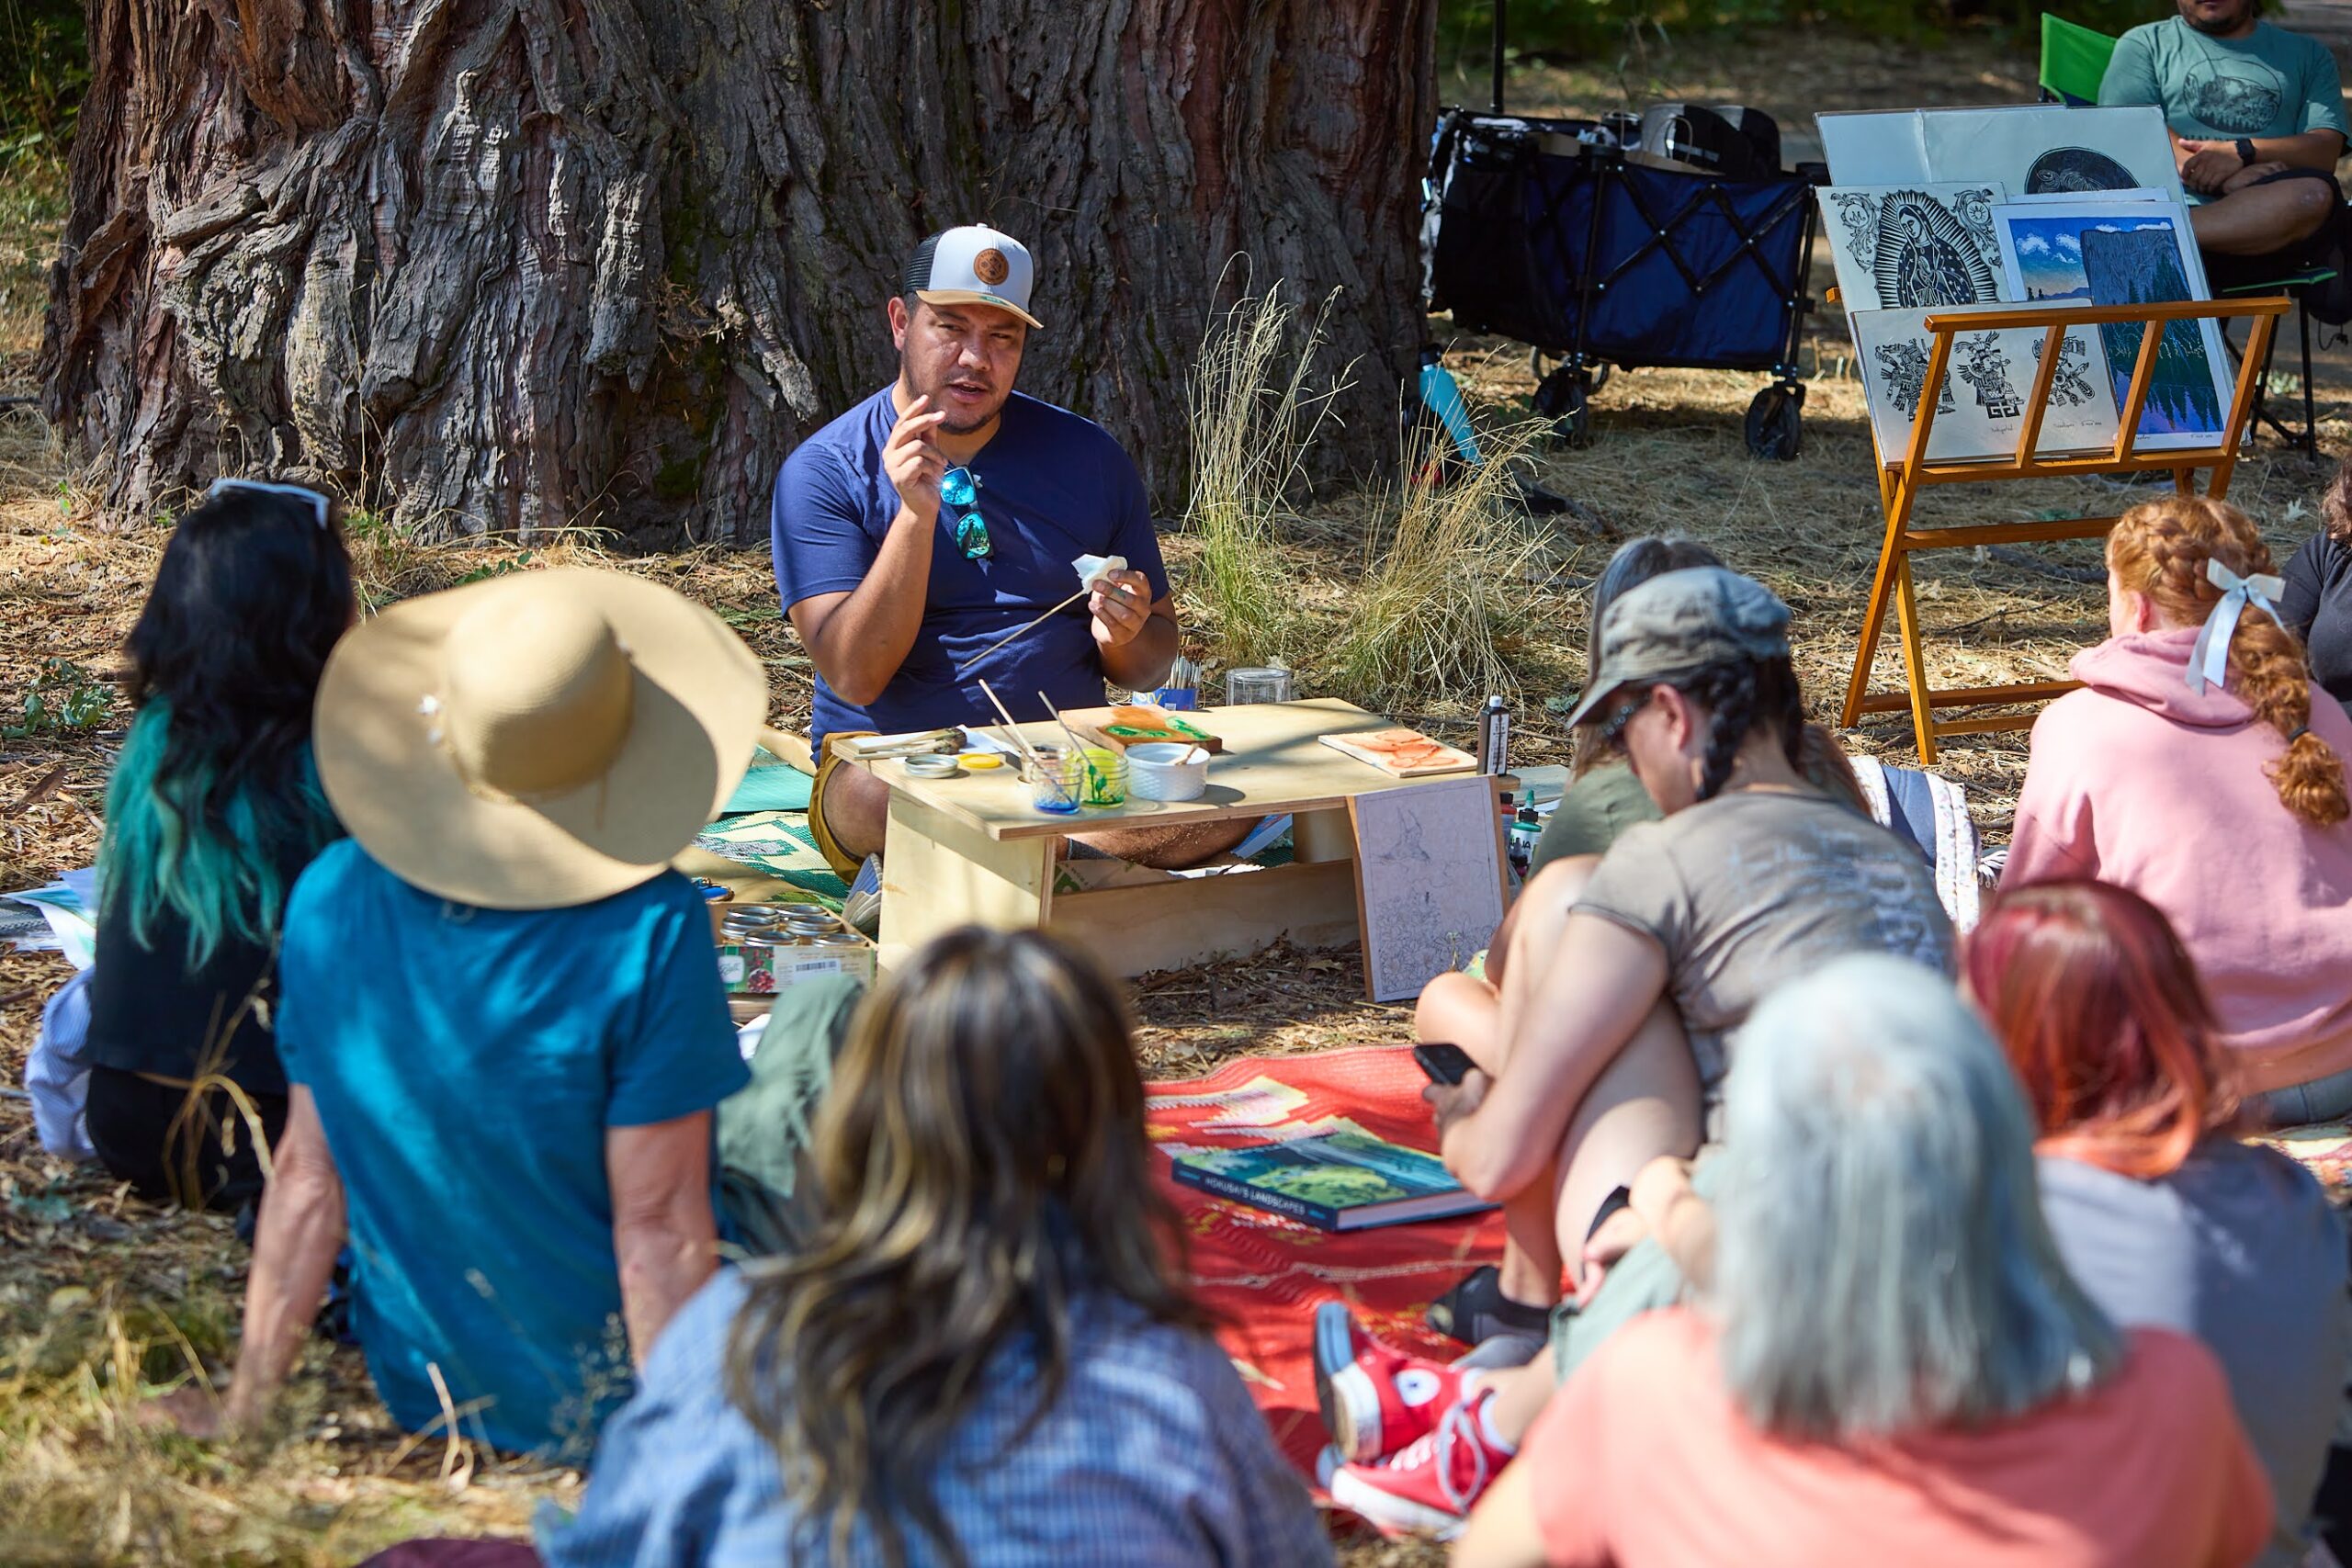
pixel 2160 549
pixel 1738 696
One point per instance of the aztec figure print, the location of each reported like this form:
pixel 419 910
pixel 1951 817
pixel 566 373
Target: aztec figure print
pixel 1903 365
pixel 1898 247
pixel 2070 384
pixel 1977 359
pixel 1995 370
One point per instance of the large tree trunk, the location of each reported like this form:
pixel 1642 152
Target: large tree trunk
pixel 525 264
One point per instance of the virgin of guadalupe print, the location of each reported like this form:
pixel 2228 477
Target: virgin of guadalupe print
pixel 1898 247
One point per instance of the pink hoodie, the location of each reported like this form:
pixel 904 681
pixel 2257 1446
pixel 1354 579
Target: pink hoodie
pixel 2141 782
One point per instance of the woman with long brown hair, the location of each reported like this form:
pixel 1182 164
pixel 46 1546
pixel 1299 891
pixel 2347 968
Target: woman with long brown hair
pixel 986 1354
pixel 2162 1215
pixel 2197 770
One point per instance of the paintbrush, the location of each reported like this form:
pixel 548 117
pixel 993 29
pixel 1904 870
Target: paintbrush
pixel 1013 733
pixel 1012 730
pixel 1076 744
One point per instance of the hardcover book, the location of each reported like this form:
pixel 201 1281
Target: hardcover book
pixel 1337 1177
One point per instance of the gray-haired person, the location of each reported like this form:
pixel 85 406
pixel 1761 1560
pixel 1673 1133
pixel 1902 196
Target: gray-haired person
pixel 1892 1364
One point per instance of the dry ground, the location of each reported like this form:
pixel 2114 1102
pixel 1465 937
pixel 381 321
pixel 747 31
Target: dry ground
pixel 101 1296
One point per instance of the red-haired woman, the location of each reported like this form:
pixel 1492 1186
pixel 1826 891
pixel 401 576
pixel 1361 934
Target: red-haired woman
pixel 2197 770
pixel 2163 1217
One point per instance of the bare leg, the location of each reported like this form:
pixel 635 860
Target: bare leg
pixel 1520 1393
pixel 1644 1104
pixel 2258 219
pixel 1170 848
pixel 1542 915
pixel 1459 1010
pixel 857 809
pixel 1530 1272
pixel 1531 1259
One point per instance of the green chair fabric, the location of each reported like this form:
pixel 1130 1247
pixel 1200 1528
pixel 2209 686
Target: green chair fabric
pixel 2073 60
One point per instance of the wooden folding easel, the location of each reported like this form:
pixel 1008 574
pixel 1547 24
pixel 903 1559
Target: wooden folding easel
pixel 1900 481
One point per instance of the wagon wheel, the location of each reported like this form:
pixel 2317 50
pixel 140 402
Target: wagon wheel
pixel 1775 422
pixel 1565 398
pixel 1542 365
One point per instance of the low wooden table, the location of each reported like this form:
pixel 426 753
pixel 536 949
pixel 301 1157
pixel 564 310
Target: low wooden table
pixel 973 848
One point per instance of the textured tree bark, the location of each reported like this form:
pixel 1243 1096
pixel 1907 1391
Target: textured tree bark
pixel 525 264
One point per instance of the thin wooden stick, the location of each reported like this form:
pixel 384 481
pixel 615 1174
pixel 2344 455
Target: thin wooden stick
pixel 1012 729
pixel 1075 743
pixel 1041 620
pixel 1028 752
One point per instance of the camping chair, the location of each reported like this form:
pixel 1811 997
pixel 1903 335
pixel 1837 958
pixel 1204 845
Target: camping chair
pixel 2073 62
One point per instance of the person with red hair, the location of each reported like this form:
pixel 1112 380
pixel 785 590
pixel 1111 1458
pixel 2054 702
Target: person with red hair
pixel 2163 1217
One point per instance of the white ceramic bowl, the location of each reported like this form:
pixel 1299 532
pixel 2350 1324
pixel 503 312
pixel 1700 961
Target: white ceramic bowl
pixel 1158 772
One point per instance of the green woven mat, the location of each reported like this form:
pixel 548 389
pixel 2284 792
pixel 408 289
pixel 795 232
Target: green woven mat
pixel 778 844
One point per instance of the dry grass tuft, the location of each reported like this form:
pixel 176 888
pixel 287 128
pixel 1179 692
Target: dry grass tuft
pixel 1445 569
pixel 1253 411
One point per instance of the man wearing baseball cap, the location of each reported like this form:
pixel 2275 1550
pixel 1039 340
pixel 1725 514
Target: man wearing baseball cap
pixel 942 514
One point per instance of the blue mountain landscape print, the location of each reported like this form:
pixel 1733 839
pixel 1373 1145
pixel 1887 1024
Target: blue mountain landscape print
pixel 2111 260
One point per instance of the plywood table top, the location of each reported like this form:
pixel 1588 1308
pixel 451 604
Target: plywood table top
pixel 1271 763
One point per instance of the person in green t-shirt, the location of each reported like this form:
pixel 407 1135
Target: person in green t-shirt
pixel 2257 118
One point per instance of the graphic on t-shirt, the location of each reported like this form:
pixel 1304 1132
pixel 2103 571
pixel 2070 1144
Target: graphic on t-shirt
pixel 2075 169
pixel 2240 98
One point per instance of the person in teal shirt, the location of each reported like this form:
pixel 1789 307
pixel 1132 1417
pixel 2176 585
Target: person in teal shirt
pixel 2257 118
pixel 500 1011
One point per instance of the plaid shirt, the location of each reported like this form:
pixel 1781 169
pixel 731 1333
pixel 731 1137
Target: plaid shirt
pixel 1154 1457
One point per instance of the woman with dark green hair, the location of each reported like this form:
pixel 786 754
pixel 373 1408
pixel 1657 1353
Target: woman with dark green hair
pixel 213 810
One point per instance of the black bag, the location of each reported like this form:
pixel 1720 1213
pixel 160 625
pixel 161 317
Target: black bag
pixel 1692 134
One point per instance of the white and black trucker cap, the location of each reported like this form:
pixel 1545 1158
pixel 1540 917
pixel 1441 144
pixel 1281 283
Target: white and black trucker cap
pixel 973 265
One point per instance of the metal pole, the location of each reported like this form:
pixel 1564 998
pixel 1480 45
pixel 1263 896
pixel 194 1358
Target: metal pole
pixel 1502 8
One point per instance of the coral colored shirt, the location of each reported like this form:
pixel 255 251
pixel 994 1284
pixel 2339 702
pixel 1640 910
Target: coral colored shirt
pixel 1642 1460
pixel 2141 782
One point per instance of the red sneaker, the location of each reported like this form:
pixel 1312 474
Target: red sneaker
pixel 1431 1486
pixel 1375 1399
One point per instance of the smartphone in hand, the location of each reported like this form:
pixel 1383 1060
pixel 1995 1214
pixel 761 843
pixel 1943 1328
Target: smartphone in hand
pixel 1443 1063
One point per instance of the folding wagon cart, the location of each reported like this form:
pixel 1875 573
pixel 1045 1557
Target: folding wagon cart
pixel 1548 231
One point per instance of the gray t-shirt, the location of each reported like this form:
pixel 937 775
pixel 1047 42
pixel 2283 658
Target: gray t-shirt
pixel 1750 889
pixel 2239 1249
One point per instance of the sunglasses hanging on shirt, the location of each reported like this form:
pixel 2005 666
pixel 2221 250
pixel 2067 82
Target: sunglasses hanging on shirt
pixel 960 489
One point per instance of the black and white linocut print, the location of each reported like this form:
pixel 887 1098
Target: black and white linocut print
pixel 1901 247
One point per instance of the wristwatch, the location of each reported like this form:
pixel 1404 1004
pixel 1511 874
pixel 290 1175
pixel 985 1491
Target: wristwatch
pixel 2246 154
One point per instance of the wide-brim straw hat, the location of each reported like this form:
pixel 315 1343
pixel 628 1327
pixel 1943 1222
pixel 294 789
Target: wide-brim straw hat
pixel 538 740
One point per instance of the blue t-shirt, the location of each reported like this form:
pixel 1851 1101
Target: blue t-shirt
pixel 466 1064
pixel 1052 487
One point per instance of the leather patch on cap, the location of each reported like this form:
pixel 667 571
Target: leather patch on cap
pixel 990 267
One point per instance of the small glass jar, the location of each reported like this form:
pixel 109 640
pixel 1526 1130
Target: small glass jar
pixel 1057 778
pixel 1107 776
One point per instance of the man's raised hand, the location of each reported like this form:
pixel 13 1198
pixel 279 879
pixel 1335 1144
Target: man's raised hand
pixel 913 462
pixel 1121 607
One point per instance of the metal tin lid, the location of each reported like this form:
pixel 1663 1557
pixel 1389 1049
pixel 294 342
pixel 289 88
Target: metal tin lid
pixel 836 939
pixel 932 766
pixel 774 939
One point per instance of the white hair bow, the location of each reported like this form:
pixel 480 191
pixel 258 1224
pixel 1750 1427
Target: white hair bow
pixel 2209 662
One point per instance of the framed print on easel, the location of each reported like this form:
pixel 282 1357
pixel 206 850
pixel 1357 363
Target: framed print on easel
pixel 1980 411
pixel 2128 253
pixel 1899 246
